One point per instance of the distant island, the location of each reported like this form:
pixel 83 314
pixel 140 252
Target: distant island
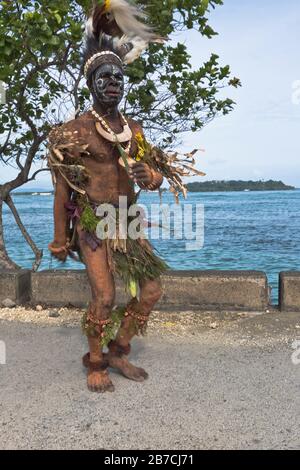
pixel 33 193
pixel 28 191
pixel 196 187
pixel 232 185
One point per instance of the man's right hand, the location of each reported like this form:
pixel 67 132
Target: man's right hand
pixel 59 250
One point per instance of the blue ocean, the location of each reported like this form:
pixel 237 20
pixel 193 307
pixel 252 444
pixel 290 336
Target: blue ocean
pixel 242 231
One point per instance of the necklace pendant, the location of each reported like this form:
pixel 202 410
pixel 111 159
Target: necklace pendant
pixel 106 135
pixel 124 136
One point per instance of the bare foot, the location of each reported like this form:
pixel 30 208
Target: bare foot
pixel 99 382
pixel 122 365
pixel 126 368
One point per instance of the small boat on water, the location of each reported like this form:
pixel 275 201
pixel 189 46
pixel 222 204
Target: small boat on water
pixel 41 194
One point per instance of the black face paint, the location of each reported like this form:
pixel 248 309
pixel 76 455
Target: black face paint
pixel 108 84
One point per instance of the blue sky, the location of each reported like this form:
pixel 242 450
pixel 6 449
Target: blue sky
pixel 260 138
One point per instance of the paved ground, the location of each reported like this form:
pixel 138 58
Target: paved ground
pixel 230 385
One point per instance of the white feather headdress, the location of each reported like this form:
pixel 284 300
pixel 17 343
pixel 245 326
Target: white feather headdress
pixel 128 18
pixel 122 22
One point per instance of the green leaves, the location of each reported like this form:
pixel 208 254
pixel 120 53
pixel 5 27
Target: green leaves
pixel 89 220
pixel 34 38
pixel 40 46
pixel 58 18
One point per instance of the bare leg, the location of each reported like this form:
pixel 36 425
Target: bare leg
pixel 150 293
pixel 103 294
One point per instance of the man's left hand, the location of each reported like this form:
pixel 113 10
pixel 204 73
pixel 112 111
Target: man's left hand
pixel 141 173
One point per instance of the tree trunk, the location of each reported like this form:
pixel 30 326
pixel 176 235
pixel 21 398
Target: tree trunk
pixel 5 262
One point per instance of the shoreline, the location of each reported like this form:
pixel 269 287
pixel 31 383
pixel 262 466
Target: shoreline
pixel 51 192
pixel 175 323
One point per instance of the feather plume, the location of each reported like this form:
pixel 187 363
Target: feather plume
pixel 128 18
pixel 121 18
pixel 118 26
pixel 138 45
pixel 89 27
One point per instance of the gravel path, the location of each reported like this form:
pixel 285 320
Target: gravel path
pixel 217 381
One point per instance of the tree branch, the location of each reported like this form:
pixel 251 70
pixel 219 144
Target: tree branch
pixel 32 178
pixel 3 147
pixel 38 253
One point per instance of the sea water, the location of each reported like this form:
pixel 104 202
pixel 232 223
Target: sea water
pixel 242 231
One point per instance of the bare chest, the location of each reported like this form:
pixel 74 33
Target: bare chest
pixel 105 152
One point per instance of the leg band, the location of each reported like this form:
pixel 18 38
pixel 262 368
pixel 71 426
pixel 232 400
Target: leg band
pixel 98 366
pixel 94 366
pixel 118 349
pixel 139 319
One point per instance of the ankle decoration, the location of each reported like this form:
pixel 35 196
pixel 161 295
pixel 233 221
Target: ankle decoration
pixel 98 366
pixel 118 349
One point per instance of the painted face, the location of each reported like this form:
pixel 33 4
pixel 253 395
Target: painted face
pixel 108 84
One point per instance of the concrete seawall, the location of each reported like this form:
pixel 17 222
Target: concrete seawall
pixel 289 291
pixel 15 285
pixel 213 290
pixel 200 289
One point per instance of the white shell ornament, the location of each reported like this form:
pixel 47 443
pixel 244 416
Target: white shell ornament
pixel 124 136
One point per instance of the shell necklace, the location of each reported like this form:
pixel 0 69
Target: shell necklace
pixel 107 133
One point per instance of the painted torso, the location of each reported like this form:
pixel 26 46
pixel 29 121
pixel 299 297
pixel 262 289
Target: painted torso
pixel 108 179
